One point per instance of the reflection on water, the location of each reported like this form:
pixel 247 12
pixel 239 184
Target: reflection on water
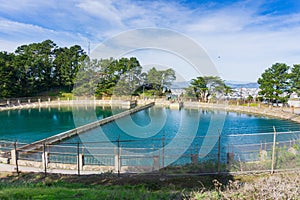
pixel 146 128
pixel 28 125
pixel 188 131
pixel 181 132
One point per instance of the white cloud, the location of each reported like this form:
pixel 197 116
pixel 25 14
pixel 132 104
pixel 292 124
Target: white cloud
pixel 16 33
pixel 245 55
pixel 102 9
pixel 246 41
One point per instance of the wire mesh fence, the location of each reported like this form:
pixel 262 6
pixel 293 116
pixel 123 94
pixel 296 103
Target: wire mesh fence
pixel 231 153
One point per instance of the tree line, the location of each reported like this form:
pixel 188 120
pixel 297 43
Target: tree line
pixel 276 85
pixel 278 82
pixel 206 87
pixel 40 67
pixel 124 76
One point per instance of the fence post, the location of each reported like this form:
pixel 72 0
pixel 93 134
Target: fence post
pixel 119 157
pixel 163 151
pixel 14 157
pixel 45 159
pixel 155 163
pixel 273 150
pixel 78 159
pixel 219 151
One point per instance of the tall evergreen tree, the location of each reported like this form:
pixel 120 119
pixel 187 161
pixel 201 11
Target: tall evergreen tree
pixel 207 86
pixel 274 83
pixel 295 79
pixel 35 64
pixel 9 82
pixel 67 63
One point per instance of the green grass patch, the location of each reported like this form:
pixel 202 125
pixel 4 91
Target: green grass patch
pixel 104 192
pixel 148 186
pixel 251 104
pixel 66 96
pixel 64 190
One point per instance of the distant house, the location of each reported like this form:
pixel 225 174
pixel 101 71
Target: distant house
pixel 294 96
pixel 294 100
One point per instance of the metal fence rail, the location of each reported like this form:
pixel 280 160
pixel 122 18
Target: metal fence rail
pixel 241 153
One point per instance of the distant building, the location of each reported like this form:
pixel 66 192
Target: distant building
pixel 178 91
pixel 243 93
pixel 294 100
pixel 294 96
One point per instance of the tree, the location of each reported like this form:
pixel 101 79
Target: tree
pixel 199 87
pixel 227 90
pixel 250 98
pixel 87 78
pixel 67 63
pixel 295 79
pixel 274 83
pixel 119 77
pixel 39 67
pixel 208 86
pixel 154 79
pixel 130 79
pixel 9 82
pixel 159 81
pixel 35 62
pixel 168 76
pixel 107 80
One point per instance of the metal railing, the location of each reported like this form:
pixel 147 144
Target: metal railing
pixel 237 153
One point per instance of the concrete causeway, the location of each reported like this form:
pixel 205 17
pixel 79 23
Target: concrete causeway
pixel 62 136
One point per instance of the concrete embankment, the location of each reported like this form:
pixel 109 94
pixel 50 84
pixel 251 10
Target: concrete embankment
pixel 277 112
pixel 59 137
pixel 56 103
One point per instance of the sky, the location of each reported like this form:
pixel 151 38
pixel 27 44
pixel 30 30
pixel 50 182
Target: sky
pixel 241 37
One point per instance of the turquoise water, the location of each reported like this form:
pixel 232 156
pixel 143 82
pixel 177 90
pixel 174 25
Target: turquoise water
pixel 186 132
pixel 29 125
pixel 234 124
pixel 177 134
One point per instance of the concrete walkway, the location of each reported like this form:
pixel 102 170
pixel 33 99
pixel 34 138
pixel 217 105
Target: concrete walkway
pixel 62 136
pixel 12 168
pixel 276 112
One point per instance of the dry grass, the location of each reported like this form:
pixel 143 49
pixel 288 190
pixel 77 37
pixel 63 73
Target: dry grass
pixel 275 187
pixel 256 186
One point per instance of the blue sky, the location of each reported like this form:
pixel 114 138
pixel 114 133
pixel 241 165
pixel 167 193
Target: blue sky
pixel 242 38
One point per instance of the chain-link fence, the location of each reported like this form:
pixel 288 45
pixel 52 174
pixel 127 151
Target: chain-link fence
pixel 232 153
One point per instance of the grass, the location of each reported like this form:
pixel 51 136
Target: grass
pixel 66 96
pixel 158 186
pixel 98 192
pixel 34 186
pixel 148 186
pixel 251 104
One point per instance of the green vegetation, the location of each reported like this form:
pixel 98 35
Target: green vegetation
pixel 44 68
pixel 207 87
pixel 278 82
pixel 109 77
pixel 148 186
pixel 39 67
pixel 75 191
pixel 47 69
pixel 295 79
pixel 105 186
